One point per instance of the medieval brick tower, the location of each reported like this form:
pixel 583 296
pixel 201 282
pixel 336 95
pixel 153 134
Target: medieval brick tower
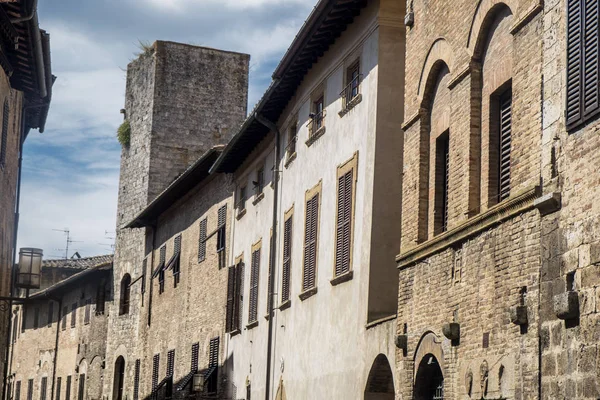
pixel 180 101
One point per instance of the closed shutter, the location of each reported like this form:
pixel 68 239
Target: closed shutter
pixel 213 358
pixel 590 70
pixel 505 144
pixel 43 388
pixel 310 243
pixel 222 220
pixel 144 272
pixel 195 354
pixel 50 313
pixel 287 259
pixel 170 363
pixel 30 389
pixel 58 385
pixel 254 277
pixel 136 380
pixel 155 365
pixel 24 319
pixel 81 392
pixel 68 388
pixel 202 240
pixel 239 299
pixel 574 60
pixel 4 142
pixel 344 224
pixel 18 391
pixel 229 323
pixel 177 261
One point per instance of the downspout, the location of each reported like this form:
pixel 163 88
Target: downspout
pixel 270 125
pixel 15 232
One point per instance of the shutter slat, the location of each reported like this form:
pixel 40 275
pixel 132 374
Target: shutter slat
pixel 574 61
pixel 230 299
pixel 254 277
pixel 591 65
pixel 287 254
pixel 505 145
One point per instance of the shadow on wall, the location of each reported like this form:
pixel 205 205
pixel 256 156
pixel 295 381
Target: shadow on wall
pixel 380 383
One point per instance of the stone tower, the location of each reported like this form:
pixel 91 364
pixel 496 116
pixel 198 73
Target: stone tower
pixel 180 101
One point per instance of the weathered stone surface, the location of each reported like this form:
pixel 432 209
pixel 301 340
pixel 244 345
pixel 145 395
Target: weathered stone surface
pixel 566 305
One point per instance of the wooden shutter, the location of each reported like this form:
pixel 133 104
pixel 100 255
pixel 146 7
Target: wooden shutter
pixel 58 385
pixel 310 243
pixel 222 221
pixel 239 299
pixel 155 366
pixel 195 353
pixel 213 358
pixel 136 380
pixel 231 278
pixel 30 389
pixel 4 142
pixel 68 388
pixel 591 65
pixel 505 144
pixel 287 259
pixel 202 240
pixel 43 388
pixel 80 395
pixel 170 363
pixel 344 223
pixel 254 277
pixel 574 60
pixel 144 272
pixel 50 312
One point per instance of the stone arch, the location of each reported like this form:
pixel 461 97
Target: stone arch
pixel 440 51
pixel 485 13
pixel 429 381
pixel 82 367
pixel 119 379
pixel 429 345
pixel 125 294
pixel 380 383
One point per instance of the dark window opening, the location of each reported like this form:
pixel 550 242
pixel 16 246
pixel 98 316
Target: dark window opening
pixel 442 172
pixel 43 388
pixel 100 298
pixel 292 138
pixel 222 235
pixel 18 391
pixel 241 206
pixel 144 273
pixel 259 185
pixel 352 84
pixel 73 315
pixel 30 389
pixel 88 311
pixel 24 319
pixel 125 294
pixel 213 366
pixel 36 318
pixel 81 391
pixel 68 388
pixel 65 312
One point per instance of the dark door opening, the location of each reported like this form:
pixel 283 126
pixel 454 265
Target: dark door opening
pixel 119 379
pixel 429 384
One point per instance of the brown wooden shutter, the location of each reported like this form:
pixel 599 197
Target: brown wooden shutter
pixel 239 299
pixel 231 277
pixel 344 224
pixel 136 380
pixel 58 388
pixel 195 353
pixel 287 260
pixel 170 363
pixel 254 277
pixel 202 240
pixel 505 144
pixel 574 60
pixel 68 388
pixel 155 366
pixel 591 69
pixel 213 358
pixel 310 246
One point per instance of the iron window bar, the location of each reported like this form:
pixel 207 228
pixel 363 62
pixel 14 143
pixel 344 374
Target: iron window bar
pixel 351 91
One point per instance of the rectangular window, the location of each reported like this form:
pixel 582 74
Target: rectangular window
pixel 235 288
pixel 505 137
pixel 155 366
pixel 100 298
pixel 23 319
pixel 30 389
pixel 50 313
pixel 213 366
pixel 88 311
pixel 58 387
pixel 136 381
pixel 63 321
pixel 345 217
pixel 318 114
pixel 259 185
pixel 18 391
pixel 161 273
pixel 73 315
pixel 43 388
pixel 254 278
pixel 352 84
pixel 311 238
pixel 170 363
pixel 68 388
pixel 292 139
pixel 442 171
pixel 144 272
pixel 242 197
pixel 36 318
pixel 15 328
pixel 176 261
pixel 81 391
pixel 202 240
pixel 287 255
pixel 583 61
pixel 222 235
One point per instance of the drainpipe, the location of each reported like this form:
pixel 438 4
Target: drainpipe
pixel 270 125
pixel 15 231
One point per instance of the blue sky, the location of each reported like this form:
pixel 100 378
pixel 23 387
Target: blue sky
pixel 71 171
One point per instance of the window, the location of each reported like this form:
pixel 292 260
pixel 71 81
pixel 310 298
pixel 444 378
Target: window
pixel 58 385
pixel 345 216
pixel 287 256
pixel 144 272
pixel 254 278
pixel 30 389
pixel 100 298
pixel 4 142
pixel 213 366
pixel 505 138
pixel 175 261
pixel 583 61
pixel 311 233
pixel 161 269
pixel 259 185
pixel 202 240
pixel 248 391
pixel 65 311
pixel 18 390
pixel 195 354
pixel 222 235
pixel 235 288
pixel 15 328
pixel 36 317
pixel 292 138
pixel 43 388
pixel 125 294
pixel 50 313
pixel 73 315
pixel 170 363
pixel 136 381
pixel 81 392
pixel 88 311
pixel 442 171
pixel 241 206
pixel 351 91
pixel 155 366
pixel 23 319
pixel 318 115
pixel 68 388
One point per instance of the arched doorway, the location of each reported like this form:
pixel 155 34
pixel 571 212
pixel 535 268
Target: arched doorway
pixel 429 383
pixel 119 379
pixel 380 383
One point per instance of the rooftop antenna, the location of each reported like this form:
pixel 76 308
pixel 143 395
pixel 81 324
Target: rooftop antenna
pixel 67 232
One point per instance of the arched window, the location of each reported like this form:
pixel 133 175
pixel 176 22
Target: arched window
pixel 125 294
pixel 119 378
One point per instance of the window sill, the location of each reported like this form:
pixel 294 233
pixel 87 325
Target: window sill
pixel 353 103
pixel 342 278
pixel 290 158
pixel 240 214
pixel 308 293
pixel 252 325
pixel 258 198
pixel 313 138
pixel 235 332
pixel 285 305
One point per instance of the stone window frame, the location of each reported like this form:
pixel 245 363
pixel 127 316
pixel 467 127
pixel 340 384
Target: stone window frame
pixel 242 198
pixel 259 184
pixel 350 165
pixel 292 141
pixel 352 64
pixel 305 293
pixel 318 94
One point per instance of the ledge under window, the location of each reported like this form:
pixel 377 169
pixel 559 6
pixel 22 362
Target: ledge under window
pixel 241 213
pixel 313 138
pixel 258 198
pixel 235 332
pixel 252 325
pixel 353 103
pixel 342 278
pixel 285 305
pixel 290 158
pixel 308 293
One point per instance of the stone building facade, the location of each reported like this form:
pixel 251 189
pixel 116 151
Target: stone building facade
pixel 25 92
pixel 59 334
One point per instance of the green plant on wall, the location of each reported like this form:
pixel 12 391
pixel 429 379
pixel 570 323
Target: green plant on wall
pixel 124 133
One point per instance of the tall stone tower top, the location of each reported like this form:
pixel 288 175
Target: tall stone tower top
pixel 181 100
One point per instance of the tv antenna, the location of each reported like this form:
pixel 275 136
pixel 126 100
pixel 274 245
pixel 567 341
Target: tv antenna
pixel 67 232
